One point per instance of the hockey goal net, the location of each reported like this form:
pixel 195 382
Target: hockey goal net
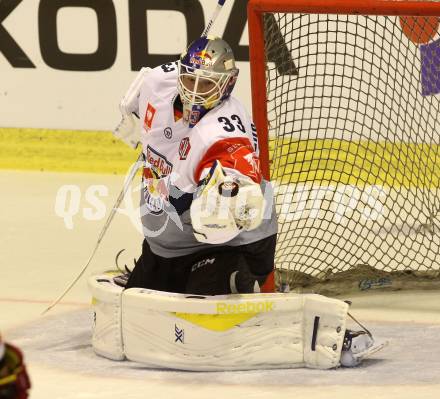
pixel 346 100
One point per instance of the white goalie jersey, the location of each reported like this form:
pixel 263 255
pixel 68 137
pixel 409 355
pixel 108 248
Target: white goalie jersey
pixel 178 157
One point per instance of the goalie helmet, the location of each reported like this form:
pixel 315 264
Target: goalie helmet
pixel 207 76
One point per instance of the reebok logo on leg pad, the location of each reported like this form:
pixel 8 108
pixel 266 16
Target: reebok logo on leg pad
pixel 247 307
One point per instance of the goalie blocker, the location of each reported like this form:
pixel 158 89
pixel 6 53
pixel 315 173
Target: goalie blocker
pixel 229 332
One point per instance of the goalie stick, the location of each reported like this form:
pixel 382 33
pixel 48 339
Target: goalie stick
pixel 127 183
pixel 121 195
pixel 213 17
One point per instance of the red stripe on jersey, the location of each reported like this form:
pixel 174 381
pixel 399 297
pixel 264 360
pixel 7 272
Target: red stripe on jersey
pixel 235 153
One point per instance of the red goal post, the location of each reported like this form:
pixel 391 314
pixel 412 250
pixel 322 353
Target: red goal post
pixel 256 9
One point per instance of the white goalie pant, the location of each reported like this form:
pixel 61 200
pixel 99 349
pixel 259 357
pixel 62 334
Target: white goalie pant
pixel 230 332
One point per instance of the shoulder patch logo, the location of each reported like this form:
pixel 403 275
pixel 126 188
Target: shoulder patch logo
pixel 149 116
pixel 184 148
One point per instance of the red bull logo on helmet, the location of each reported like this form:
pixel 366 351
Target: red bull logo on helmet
pixel 201 58
pixel 203 54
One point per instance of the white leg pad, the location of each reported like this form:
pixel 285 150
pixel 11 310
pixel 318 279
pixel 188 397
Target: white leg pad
pixel 233 332
pixel 191 334
pixel 230 332
pixel 107 332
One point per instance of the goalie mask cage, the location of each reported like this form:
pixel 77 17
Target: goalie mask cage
pixel 346 104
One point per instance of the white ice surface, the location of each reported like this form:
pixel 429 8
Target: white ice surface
pixel 39 256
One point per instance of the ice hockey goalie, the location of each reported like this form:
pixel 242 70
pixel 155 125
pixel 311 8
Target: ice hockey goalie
pixel 190 303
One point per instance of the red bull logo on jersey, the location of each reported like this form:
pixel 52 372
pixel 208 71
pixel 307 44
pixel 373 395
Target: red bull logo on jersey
pixel 156 181
pixel 201 58
pixel 156 185
pixel 158 162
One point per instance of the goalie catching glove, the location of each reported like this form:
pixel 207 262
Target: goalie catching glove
pixel 224 205
pixel 128 129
